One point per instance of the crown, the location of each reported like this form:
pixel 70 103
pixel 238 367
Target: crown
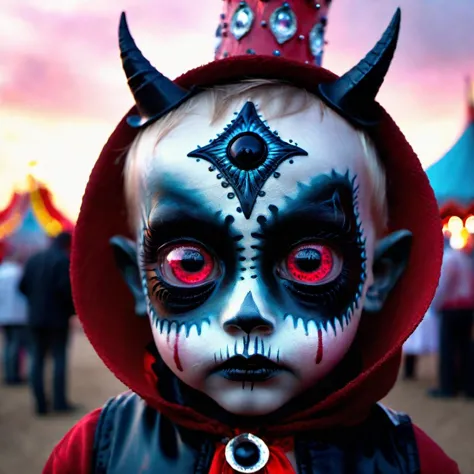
pixel 293 29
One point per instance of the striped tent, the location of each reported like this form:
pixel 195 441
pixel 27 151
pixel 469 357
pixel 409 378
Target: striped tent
pixel 30 219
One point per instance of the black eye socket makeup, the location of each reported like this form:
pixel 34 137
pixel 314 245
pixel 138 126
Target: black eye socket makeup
pixel 186 250
pixel 181 274
pixel 311 251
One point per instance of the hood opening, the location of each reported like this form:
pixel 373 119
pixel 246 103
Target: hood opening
pixel 106 309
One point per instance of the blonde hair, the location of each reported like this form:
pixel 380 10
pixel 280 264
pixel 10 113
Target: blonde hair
pixel 291 100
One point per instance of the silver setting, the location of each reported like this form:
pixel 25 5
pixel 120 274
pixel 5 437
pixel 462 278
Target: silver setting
pixel 316 42
pixel 242 21
pixel 283 24
pixel 247 438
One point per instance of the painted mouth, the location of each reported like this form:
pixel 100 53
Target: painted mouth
pixel 256 368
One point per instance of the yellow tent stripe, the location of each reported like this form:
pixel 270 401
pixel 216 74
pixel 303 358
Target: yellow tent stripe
pixel 50 225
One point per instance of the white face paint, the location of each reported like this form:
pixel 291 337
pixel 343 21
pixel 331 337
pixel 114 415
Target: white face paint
pixel 286 283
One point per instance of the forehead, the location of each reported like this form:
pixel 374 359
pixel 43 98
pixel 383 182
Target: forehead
pixel 329 141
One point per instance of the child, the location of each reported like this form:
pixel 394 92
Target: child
pixel 282 241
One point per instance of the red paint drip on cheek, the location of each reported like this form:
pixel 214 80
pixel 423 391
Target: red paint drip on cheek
pixel 319 354
pixel 176 354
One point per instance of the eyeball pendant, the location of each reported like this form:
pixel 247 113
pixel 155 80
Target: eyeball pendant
pixel 247 453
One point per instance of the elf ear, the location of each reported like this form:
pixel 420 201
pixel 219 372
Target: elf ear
pixel 126 260
pixel 390 260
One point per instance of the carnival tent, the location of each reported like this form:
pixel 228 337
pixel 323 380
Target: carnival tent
pixel 452 177
pixel 31 218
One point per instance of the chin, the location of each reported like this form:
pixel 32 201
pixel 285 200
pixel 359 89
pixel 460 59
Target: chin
pixel 241 399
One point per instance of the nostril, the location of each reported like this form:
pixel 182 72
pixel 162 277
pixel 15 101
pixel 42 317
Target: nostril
pixel 249 323
pixel 232 329
pixel 265 329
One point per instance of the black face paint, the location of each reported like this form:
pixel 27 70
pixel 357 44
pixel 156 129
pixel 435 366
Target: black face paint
pixel 325 212
pixel 246 154
pixel 181 220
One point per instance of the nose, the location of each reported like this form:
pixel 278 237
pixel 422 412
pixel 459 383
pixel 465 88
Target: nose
pixel 248 318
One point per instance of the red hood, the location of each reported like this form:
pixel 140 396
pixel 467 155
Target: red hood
pixel 120 338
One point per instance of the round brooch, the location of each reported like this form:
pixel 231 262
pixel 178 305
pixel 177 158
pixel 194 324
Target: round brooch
pixel 247 453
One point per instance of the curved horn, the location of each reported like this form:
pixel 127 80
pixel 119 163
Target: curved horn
pixel 154 93
pixel 353 94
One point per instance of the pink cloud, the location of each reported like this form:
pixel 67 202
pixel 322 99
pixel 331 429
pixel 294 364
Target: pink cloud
pixel 67 62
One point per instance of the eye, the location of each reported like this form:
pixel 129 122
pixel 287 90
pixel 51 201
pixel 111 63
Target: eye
pixel 187 264
pixel 311 264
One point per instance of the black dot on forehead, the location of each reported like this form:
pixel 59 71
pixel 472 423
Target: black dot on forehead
pixel 247 151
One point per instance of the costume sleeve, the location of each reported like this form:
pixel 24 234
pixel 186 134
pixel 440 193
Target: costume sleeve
pixel 73 454
pixel 433 460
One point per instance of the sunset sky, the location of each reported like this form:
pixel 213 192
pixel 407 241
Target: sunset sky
pixel 62 89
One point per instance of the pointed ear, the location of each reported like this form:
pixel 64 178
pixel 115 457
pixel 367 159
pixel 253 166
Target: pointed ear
pixel 126 260
pixel 390 260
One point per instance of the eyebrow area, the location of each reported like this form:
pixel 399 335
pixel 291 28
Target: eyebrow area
pixel 328 201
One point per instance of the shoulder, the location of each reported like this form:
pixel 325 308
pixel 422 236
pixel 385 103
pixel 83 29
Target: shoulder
pixel 73 454
pixel 433 460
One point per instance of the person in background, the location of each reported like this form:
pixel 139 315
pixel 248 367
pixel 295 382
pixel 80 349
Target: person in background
pixel 47 287
pixel 13 317
pixel 454 300
pixel 423 341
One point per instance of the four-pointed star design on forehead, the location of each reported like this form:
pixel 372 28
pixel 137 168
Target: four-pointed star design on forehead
pixel 247 177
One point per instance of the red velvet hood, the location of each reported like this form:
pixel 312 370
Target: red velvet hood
pixel 106 307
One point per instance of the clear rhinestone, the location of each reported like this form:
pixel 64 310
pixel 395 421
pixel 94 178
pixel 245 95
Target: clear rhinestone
pixel 218 40
pixel 242 21
pixel 316 42
pixel 283 24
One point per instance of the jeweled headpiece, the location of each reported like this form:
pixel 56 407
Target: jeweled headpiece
pixel 293 29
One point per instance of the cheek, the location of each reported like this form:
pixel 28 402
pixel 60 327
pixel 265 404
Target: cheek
pixel 315 353
pixel 189 356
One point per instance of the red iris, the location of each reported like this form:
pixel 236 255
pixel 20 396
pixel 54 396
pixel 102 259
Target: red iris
pixel 187 264
pixel 311 263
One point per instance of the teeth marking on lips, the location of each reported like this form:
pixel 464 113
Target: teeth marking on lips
pixel 245 347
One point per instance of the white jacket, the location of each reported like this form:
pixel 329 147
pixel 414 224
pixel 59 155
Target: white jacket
pixel 13 305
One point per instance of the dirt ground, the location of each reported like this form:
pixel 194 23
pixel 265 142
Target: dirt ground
pixel 26 441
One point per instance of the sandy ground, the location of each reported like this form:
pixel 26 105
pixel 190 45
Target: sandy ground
pixel 26 441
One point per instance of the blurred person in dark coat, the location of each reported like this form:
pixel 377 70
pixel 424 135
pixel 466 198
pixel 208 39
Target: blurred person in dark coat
pixel 454 301
pixel 13 317
pixel 47 287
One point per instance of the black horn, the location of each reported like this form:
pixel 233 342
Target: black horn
pixel 155 94
pixel 353 94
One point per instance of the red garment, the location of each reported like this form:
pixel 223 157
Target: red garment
pixel 73 455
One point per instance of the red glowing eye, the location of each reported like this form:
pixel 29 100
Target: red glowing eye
pixel 310 263
pixel 187 264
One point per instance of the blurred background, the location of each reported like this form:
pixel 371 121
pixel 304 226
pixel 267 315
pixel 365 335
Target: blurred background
pixel 62 91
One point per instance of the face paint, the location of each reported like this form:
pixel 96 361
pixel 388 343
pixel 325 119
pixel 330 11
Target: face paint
pixel 319 244
pixel 253 309
pixel 247 153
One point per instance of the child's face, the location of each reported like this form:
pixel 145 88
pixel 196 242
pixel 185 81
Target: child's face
pixel 256 255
